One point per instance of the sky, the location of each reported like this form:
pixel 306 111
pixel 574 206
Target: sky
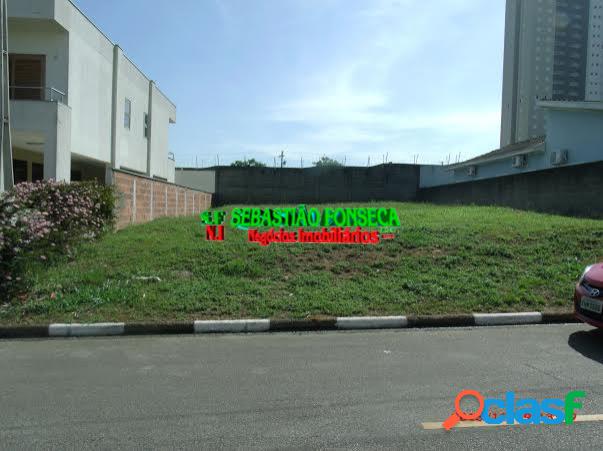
pixel 354 80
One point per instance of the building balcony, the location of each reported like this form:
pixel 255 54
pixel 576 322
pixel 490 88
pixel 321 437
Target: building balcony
pixel 37 93
pixel 41 130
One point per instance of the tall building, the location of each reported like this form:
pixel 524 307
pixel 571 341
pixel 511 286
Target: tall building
pixel 553 50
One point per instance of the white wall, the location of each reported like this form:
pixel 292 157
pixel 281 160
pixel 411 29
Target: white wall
pixel 131 144
pixel 163 113
pixel 43 38
pixel 53 121
pixel 31 9
pixel 90 87
pixel 171 167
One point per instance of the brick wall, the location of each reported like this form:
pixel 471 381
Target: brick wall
pixel 142 199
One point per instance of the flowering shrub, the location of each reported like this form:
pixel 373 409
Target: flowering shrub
pixel 38 219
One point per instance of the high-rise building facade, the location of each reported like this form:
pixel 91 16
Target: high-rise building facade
pixel 553 50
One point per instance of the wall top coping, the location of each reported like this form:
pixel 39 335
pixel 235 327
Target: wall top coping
pixel 141 176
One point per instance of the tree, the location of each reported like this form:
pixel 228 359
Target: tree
pixel 326 162
pixel 252 163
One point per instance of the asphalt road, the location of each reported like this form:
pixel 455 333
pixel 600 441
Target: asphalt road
pixel 313 390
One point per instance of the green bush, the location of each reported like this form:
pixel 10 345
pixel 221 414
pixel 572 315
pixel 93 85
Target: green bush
pixel 41 219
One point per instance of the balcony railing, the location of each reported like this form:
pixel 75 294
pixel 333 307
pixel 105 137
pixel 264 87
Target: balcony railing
pixel 41 93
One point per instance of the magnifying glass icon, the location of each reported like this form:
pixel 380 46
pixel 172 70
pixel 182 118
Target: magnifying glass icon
pixel 459 414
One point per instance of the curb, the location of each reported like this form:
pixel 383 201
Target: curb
pixel 286 325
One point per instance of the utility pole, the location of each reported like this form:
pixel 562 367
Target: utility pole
pixel 282 157
pixel 6 151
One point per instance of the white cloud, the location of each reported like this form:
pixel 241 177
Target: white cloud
pixel 355 98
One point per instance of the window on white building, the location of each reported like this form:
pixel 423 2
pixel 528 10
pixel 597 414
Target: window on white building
pixel 146 125
pixel 127 114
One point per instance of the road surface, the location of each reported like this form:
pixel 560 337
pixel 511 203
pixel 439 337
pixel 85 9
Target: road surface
pixel 359 390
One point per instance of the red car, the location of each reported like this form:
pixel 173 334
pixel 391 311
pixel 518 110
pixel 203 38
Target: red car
pixel 588 297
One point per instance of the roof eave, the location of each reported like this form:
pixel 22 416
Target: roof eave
pixel 537 148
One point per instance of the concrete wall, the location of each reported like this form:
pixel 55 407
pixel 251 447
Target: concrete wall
pixel 31 9
pixel 580 132
pixel 202 179
pixel 163 114
pixel 90 87
pixel 311 185
pixel 171 169
pixel 50 121
pixel 574 190
pixel 131 143
pixel 142 199
pixel 43 38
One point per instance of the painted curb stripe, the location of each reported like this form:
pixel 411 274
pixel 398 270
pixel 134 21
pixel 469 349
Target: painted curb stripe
pixel 298 325
pixel 161 328
pixel 559 318
pixel 371 322
pixel 430 426
pixel 284 325
pixel 241 325
pixel 466 320
pixel 506 319
pixel 85 330
pixel 24 332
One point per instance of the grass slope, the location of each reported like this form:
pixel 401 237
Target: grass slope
pixel 444 260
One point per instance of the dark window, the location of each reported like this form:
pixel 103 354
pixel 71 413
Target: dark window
pixel 26 76
pixel 127 113
pixel 37 172
pixel 76 176
pixel 20 171
pixel 146 125
pixel 571 50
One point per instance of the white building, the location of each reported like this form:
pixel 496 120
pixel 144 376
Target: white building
pixel 553 50
pixel 79 106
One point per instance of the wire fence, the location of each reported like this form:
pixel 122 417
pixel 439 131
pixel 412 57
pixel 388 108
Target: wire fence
pixel 283 160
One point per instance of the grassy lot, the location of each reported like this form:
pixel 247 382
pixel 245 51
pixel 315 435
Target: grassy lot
pixel 444 260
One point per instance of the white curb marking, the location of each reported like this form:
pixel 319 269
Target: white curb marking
pixel 501 319
pixel 371 322
pixel 85 330
pixel 240 325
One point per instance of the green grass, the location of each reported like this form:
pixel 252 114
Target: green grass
pixel 443 260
